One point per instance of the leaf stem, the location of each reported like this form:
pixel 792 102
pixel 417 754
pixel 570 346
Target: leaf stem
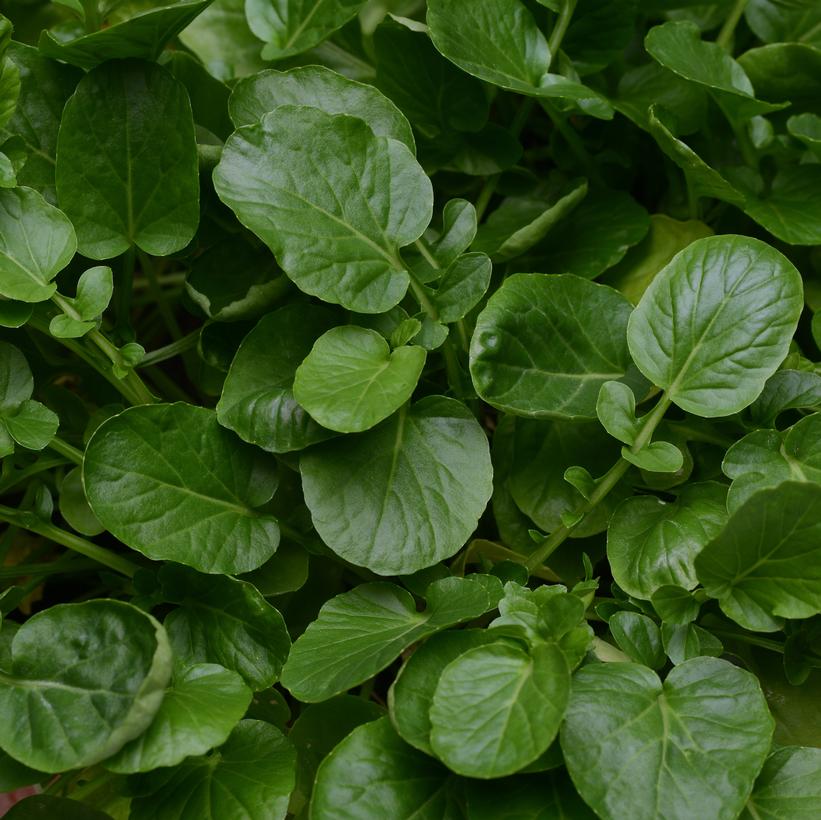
pixel 560 29
pixel 162 354
pixel 604 485
pixel 753 640
pixel 122 296
pixel 728 29
pixel 427 255
pixel 29 521
pixel 572 139
pixel 67 450
pixel 168 317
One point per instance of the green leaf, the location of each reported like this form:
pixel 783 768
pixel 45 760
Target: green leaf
pixel 652 543
pixel 373 768
pixel 257 400
pixel 458 232
pixel 170 482
pixel 766 458
pixel 764 566
pixel 616 410
pixel 40 806
pixel 74 506
pixel 807 128
pixel 774 21
pixel 225 621
pixel 688 641
pixel 9 89
pixel 288 27
pixel 538 350
pixel 521 221
pixel 462 286
pixel 598 33
pixel 788 788
pixel 639 638
pixel 127 161
pixel 497 708
pixel 351 380
pixel 411 693
pixel 320 88
pixel 675 605
pixel 14 775
pixel 658 457
pixel 715 324
pixel 32 425
pixel 98 686
pixel 16 382
pixel 342 250
pixel 198 712
pixel 404 495
pixel 691 746
pixel 785 73
pixel 250 776
pixel 27 266
pixel 360 632
pixel 786 390
pixel 144 36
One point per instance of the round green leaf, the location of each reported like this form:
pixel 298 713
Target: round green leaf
pixel 127 161
pixel 168 481
pixel 652 543
pixel 321 88
pixel 99 685
pixel 351 380
pixel 638 637
pixel 198 712
pixel 282 178
pixel 497 708
pixel 32 425
pixel 374 772
pixel 765 564
pixel 74 505
pixel 27 264
pixel 16 381
pixel 788 788
pixel 251 777
pixel 690 747
pixel 541 349
pixel 404 495
pixel 714 325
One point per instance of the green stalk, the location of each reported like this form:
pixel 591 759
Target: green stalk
pixel 560 29
pixel 728 29
pixel 65 449
pixel 157 294
pixel 603 487
pixel 29 521
pixel 122 296
pixel 162 354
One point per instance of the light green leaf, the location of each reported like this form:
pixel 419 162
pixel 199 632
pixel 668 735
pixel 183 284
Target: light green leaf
pixel 374 768
pixel 675 605
pixel 687 641
pixel 360 632
pixel 652 543
pixel 788 788
pixel 32 425
pixel 28 265
pixel 170 482
pixel 658 457
pixel 64 327
pixel 765 565
pixel 281 177
pixel 9 91
pixel 226 621
pixel 321 88
pixel 257 400
pixel 251 777
pixel 462 286
pixel 497 708
pixel 288 27
pixel 539 349
pixel 404 495
pixel 616 410
pixel 351 380
pixel 98 686
pixel 144 35
pixel 127 161
pixel 715 324
pixel 639 638
pixel 198 712
pixel 458 232
pixel 807 128
pixel 689 747
pixel 74 506
pixel 16 382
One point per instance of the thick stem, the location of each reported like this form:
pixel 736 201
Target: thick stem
pixel 560 29
pixel 67 450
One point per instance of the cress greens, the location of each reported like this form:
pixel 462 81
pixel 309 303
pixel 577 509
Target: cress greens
pixel 410 409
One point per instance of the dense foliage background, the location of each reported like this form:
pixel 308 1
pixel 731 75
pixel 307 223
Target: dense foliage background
pixel 409 410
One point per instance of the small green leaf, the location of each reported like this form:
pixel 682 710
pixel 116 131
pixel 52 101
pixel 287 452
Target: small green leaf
pixel 360 632
pixel 32 425
pixel 675 605
pixel 16 382
pixel 786 390
pixel 658 457
pixel 74 505
pixel 639 638
pixel 688 641
pixel 368 383
pixel 462 286
pixel 788 788
pixel 616 410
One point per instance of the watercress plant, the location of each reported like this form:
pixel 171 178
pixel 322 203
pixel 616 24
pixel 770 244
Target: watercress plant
pixel 410 409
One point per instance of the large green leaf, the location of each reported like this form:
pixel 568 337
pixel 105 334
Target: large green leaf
pixel 351 380
pixel 404 495
pixel 540 349
pixel 690 747
pixel 28 265
pixel 716 323
pixel 127 161
pixel 143 36
pixel 373 771
pixel 788 788
pixel 766 458
pixel 497 708
pixel 360 632
pixel 198 712
pixel 225 621
pixel 786 390
pixel 774 21
pixel 257 400
pixel 251 777
pixel 652 543
pixel 288 27
pixel 98 685
pixel 785 73
pixel 765 564
pixel 306 183
pixel 318 87
pixel 170 482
